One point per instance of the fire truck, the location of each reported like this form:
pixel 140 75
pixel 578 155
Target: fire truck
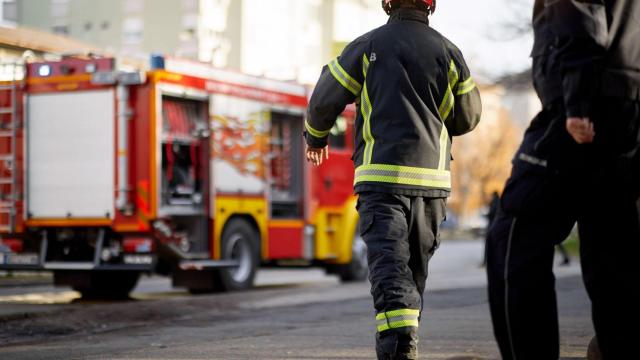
pixel 179 169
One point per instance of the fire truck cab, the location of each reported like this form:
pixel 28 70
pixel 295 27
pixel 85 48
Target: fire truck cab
pixel 181 169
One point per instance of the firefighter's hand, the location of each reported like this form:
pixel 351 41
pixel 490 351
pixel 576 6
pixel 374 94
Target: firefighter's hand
pixel 581 130
pixel 317 155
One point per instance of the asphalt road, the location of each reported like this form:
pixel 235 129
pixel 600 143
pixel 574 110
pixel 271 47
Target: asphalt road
pixel 292 314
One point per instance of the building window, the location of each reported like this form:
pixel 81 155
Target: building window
pixel 59 8
pixel 60 29
pixel 9 11
pixel 132 31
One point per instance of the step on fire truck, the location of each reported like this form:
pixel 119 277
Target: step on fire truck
pixel 182 169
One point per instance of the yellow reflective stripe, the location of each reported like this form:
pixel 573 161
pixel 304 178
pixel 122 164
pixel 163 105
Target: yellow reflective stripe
pixel 399 168
pixel 398 324
pixel 405 175
pixel 445 109
pixel 453 74
pixel 344 78
pixel 447 104
pixel 399 312
pixel 365 65
pixel 448 101
pixel 314 132
pixel 366 109
pixel 444 141
pixel 466 86
pixel 403 181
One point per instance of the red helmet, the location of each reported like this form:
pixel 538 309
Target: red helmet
pixel 390 5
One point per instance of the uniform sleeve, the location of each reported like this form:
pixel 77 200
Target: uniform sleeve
pixel 580 35
pixel 339 85
pixel 467 106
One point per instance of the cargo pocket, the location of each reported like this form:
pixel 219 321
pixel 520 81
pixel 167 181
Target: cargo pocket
pixel 366 222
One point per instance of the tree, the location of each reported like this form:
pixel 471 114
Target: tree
pixel 482 159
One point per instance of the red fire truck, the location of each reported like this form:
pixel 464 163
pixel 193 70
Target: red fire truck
pixel 182 169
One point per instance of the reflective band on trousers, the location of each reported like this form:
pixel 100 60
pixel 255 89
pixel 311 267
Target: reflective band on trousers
pixel 397 319
pixel 404 175
pixel 344 78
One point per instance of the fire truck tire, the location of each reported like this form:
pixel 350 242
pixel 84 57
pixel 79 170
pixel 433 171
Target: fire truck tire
pixel 107 285
pixel 240 242
pixel 358 268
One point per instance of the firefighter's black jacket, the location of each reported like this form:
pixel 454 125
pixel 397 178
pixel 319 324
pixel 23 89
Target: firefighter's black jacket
pixel 588 48
pixel 413 92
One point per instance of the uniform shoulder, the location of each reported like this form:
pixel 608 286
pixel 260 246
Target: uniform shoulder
pixel 367 37
pixel 449 45
pixel 361 42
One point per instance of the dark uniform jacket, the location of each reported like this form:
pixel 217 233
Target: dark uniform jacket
pixel 413 92
pixel 589 49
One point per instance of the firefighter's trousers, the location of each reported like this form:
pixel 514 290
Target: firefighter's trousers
pixel 401 233
pixel 554 184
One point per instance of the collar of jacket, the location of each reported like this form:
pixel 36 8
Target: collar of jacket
pixel 409 14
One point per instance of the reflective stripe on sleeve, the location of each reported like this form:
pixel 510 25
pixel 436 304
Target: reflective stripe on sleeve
pixel 314 132
pixel 466 86
pixel 344 78
pixel 397 319
pixel 405 175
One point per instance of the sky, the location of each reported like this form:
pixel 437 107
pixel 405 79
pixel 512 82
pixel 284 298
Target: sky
pixel 477 28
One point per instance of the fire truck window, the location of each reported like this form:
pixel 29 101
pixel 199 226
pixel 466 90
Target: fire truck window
pixel 338 134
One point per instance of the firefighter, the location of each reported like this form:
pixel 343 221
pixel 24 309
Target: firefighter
pixel 414 92
pixel 578 162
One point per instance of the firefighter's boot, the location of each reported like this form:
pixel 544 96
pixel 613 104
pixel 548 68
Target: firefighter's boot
pixel 397 345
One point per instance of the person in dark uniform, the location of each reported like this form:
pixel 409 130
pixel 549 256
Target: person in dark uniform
pixel 414 92
pixel 578 162
pixel 491 216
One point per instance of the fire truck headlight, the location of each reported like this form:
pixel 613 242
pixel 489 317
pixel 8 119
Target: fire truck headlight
pixel 106 255
pixel 44 70
pixel 90 68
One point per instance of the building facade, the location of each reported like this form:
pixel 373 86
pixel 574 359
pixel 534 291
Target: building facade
pixel 284 39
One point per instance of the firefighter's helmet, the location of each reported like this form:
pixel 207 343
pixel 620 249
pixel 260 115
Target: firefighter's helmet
pixel 390 5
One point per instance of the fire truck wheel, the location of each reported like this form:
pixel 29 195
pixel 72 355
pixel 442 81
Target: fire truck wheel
pixel 107 285
pixel 240 242
pixel 358 268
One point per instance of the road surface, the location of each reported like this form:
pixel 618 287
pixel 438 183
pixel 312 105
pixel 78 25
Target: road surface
pixel 292 314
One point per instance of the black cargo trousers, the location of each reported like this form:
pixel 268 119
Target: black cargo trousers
pixel 555 183
pixel 401 234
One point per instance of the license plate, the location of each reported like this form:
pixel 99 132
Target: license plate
pixel 138 259
pixel 21 259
